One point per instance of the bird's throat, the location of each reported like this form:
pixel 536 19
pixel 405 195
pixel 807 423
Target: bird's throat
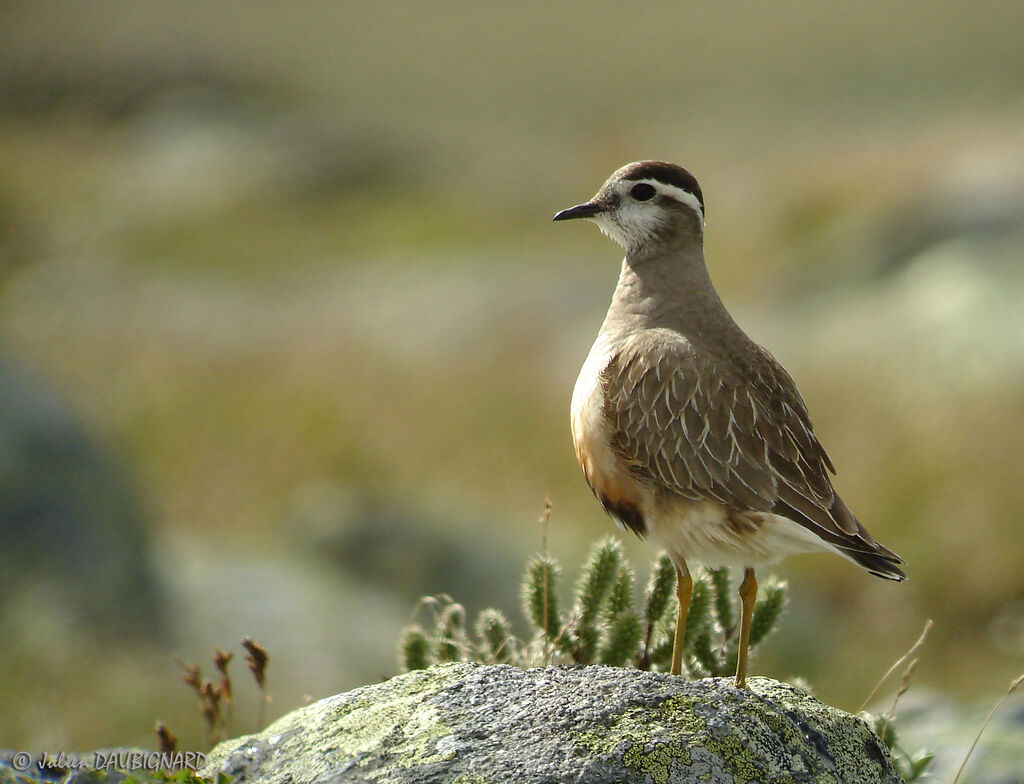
pixel 672 291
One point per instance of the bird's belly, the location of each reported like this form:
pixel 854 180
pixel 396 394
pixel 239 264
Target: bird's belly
pixel 710 533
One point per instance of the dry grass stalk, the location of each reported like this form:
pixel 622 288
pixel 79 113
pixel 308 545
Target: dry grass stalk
pixel 256 657
pixel 209 697
pixel 221 660
pixel 192 675
pixel 167 742
pixel 904 685
pixel 913 649
pixel 1013 687
pixel 210 694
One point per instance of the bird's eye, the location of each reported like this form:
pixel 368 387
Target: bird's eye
pixel 642 191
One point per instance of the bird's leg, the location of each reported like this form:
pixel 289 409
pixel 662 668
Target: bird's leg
pixel 748 593
pixel 684 589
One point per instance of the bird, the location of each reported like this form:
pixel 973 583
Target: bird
pixel 688 432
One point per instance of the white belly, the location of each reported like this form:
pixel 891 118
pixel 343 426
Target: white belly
pixel 702 532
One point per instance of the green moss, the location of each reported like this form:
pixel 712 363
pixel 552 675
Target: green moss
pixel 630 736
pixel 656 762
pixel 738 758
pixel 641 755
pixel 364 724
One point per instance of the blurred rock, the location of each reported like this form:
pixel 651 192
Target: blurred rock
pixel 324 629
pixel 406 551
pixel 198 138
pixel 19 243
pixel 978 201
pixel 109 91
pixel 935 722
pixel 841 237
pixel 73 535
pixel 192 151
pixel 934 276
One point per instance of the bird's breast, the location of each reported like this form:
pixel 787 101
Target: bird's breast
pixel 615 487
pixel 589 426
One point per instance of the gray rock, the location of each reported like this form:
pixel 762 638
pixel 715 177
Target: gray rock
pixel 476 724
pixel 74 536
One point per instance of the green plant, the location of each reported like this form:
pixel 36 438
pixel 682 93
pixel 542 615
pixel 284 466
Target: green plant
pixel 606 624
pixel 911 766
pixel 183 776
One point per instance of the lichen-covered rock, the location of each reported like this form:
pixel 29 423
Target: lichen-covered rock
pixel 474 724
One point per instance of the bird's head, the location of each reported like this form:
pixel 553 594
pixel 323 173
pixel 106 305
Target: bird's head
pixel 644 203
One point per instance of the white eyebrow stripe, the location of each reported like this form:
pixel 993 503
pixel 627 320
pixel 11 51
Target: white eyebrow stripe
pixel 684 197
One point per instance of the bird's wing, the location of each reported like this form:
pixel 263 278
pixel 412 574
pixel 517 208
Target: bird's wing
pixel 709 430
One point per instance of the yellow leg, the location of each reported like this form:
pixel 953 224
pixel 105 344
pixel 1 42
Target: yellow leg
pixel 748 593
pixel 684 589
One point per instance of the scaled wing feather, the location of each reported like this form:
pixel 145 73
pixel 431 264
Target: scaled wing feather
pixel 709 432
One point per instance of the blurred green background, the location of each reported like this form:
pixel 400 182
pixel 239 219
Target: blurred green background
pixel 287 337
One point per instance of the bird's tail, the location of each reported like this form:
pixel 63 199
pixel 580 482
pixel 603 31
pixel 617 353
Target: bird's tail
pixel 881 562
